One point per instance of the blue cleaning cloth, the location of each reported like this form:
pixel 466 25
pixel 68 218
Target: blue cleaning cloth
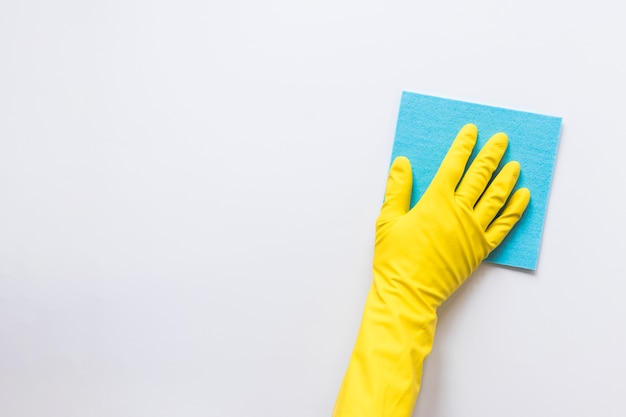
pixel 427 127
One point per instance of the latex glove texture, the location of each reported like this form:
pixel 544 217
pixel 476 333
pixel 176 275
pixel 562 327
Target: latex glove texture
pixel 421 257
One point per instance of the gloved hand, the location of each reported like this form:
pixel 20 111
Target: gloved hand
pixel 421 257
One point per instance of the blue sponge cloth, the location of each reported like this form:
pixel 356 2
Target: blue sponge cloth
pixel 427 126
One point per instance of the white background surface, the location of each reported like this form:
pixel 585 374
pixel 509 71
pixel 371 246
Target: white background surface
pixel 188 193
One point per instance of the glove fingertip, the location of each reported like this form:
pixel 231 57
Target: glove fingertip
pixel 512 212
pixel 524 196
pixel 398 190
pixel 401 163
pixel 469 129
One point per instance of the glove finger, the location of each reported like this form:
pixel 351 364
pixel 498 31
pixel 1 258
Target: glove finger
pixel 453 165
pixel 479 173
pixel 398 190
pixel 501 226
pixel 496 194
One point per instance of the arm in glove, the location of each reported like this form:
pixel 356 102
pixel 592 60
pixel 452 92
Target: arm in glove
pixel 421 257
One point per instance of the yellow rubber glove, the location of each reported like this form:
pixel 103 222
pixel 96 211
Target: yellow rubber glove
pixel 421 257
